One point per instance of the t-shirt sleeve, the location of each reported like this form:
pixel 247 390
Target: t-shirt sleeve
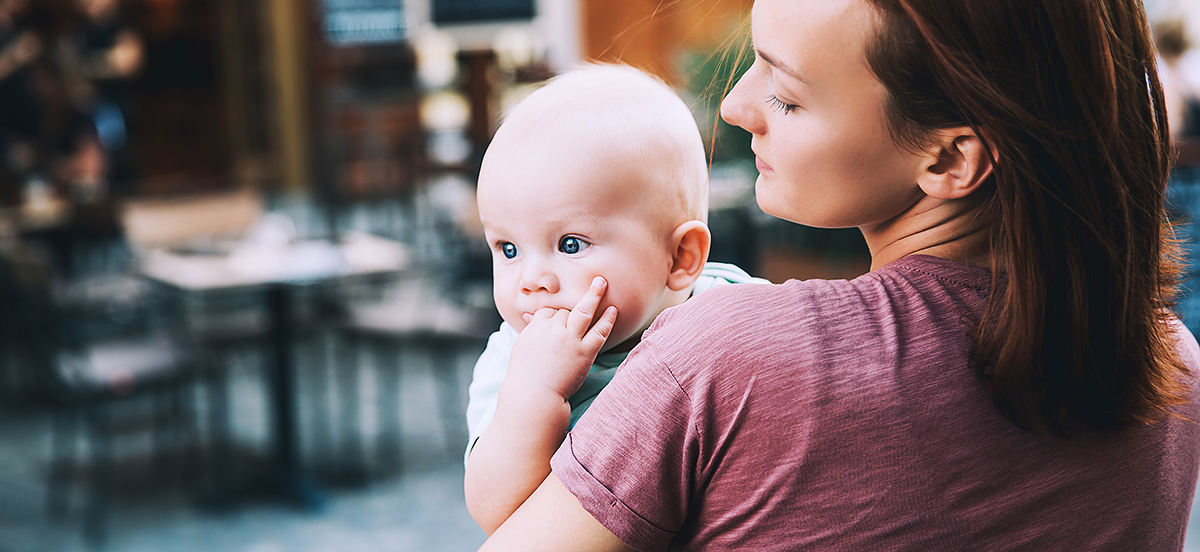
pixel 629 458
pixel 484 391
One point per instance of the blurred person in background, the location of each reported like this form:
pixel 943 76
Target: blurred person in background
pixel 99 62
pixel 20 109
pixel 1179 71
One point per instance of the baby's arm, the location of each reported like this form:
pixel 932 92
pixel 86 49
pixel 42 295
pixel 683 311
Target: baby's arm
pixel 549 361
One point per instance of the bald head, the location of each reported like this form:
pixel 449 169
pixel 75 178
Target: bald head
pixel 632 121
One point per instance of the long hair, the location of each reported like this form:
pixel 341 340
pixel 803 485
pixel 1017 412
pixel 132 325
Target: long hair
pixel 1066 94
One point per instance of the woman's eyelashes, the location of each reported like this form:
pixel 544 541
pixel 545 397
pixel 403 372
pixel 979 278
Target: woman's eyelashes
pixel 780 105
pixel 572 245
pixel 508 249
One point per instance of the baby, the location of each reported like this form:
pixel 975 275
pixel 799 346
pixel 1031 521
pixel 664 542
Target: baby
pixel 593 197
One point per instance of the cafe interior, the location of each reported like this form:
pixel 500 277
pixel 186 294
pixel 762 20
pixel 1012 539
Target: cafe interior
pixel 242 280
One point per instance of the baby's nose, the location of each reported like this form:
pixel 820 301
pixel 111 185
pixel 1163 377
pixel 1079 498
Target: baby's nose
pixel 538 279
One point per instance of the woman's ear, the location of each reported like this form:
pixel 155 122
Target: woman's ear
pixel 958 164
pixel 690 241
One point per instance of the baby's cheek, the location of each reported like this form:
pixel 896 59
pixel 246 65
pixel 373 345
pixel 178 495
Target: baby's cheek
pixel 629 314
pixel 510 314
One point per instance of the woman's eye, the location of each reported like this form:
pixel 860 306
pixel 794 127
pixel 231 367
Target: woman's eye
pixel 780 105
pixel 508 249
pixel 572 245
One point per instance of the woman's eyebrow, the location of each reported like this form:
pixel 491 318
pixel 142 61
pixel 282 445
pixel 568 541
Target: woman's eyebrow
pixel 793 72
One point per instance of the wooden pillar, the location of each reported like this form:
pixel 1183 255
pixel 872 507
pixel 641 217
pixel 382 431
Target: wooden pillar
pixel 286 23
pixel 233 76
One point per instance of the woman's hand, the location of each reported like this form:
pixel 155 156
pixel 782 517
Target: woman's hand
pixel 558 346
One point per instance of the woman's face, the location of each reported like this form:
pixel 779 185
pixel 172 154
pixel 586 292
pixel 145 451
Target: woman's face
pixel 816 112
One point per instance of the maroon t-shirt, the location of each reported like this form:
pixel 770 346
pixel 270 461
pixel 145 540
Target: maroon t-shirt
pixel 842 415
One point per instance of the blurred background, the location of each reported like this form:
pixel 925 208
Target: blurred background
pixel 242 282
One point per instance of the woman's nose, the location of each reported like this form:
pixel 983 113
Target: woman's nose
pixel 536 278
pixel 737 108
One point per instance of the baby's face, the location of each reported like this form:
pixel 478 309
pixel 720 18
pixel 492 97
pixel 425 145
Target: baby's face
pixel 554 222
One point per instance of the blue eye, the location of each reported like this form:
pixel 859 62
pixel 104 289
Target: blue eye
pixel 572 245
pixel 508 249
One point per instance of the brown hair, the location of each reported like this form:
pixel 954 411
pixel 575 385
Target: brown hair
pixel 1066 93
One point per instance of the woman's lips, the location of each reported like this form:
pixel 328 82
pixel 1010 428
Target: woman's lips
pixel 762 166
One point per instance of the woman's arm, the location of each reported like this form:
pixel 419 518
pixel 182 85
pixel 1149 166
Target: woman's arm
pixel 553 520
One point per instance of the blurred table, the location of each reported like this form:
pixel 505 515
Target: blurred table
pixel 277 270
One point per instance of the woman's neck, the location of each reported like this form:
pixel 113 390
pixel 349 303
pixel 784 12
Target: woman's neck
pixel 950 229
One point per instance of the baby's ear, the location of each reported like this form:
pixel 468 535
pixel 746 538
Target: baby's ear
pixel 691 241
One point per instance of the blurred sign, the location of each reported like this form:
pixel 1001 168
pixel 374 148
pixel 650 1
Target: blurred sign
pixel 480 11
pixel 354 22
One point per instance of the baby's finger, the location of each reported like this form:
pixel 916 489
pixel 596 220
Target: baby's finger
pixel 581 316
pixel 561 317
pixel 544 312
pixel 598 335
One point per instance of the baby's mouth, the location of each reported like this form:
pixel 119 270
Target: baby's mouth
pixel 528 315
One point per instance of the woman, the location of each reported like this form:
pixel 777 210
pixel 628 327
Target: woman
pixel 1008 376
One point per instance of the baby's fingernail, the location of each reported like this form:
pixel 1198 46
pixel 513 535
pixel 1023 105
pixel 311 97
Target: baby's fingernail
pixel 526 317
pixel 598 282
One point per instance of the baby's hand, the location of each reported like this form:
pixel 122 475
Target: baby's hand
pixel 556 349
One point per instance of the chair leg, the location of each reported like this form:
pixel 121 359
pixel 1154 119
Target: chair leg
pixel 353 458
pixel 189 467
pixel 160 433
pixel 64 422
pixel 322 448
pixel 444 364
pixel 220 451
pixel 100 475
pixel 180 428
pixel 391 429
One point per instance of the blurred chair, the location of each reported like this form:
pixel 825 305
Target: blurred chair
pixel 233 323
pixel 414 316
pixel 205 224
pixel 224 324
pixel 100 345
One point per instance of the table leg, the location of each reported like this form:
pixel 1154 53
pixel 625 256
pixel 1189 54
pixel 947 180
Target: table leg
pixel 295 484
pixel 283 478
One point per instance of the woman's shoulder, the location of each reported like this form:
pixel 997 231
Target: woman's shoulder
pixel 914 273
pixel 914 287
pixel 749 312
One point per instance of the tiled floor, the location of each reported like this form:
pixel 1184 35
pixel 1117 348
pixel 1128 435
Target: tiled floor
pixel 421 508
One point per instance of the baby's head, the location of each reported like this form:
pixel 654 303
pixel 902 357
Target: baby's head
pixel 601 172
